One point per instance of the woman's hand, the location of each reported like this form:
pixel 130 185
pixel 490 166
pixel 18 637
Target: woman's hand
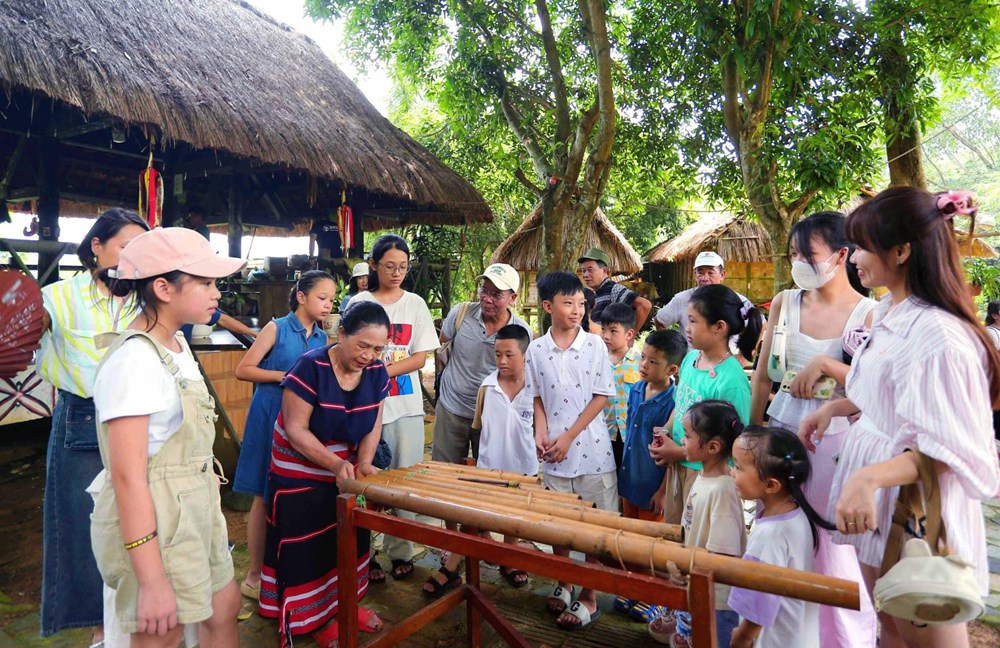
pixel 856 506
pixel 805 380
pixel 343 469
pixel 366 468
pixel 157 609
pixel 813 427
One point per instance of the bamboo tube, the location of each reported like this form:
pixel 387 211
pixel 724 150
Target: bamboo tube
pixel 455 482
pixel 479 472
pixel 515 494
pixel 544 511
pixel 624 546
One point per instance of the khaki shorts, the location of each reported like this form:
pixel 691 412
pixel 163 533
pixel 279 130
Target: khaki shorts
pixel 679 483
pixel 453 437
pixel 193 541
pixel 601 489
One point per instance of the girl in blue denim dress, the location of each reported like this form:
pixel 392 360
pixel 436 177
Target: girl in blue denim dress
pixel 280 344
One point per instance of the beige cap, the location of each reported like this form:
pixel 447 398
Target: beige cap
pixel 502 276
pixel 166 249
pixel 709 259
pixel 360 270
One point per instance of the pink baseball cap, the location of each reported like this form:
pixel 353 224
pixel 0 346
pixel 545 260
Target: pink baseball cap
pixel 166 249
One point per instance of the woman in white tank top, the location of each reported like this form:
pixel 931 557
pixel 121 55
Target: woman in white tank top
pixel 818 315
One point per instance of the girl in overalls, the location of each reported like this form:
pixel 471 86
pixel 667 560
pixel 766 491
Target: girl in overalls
pixel 157 531
pixel 275 351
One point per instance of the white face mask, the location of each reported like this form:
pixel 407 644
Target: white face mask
pixel 809 277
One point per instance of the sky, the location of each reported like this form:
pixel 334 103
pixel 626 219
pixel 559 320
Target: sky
pixel 329 37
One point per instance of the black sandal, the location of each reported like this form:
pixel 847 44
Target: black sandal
pixel 402 569
pixel 373 568
pixel 438 588
pixel 511 576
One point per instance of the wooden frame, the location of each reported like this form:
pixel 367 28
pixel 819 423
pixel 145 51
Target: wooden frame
pixel 698 596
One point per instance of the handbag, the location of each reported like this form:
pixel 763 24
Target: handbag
pixel 920 586
pixel 383 455
pixel 776 361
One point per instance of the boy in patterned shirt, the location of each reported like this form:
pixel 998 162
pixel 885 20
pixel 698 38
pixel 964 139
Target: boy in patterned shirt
pixel 569 376
pixel 618 322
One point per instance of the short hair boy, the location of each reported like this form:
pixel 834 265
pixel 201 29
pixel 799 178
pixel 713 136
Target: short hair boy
pixel 569 376
pixel 618 333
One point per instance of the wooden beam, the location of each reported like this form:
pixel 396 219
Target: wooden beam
pixel 235 207
pixel 48 200
pixel 112 151
pixel 81 129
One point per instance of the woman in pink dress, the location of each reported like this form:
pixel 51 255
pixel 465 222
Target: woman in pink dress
pixel 926 379
pixel 818 315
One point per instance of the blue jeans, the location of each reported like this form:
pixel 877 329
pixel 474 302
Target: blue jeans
pixel 725 622
pixel 72 594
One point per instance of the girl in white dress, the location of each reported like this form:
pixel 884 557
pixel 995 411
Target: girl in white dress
pixel 926 379
pixel 825 307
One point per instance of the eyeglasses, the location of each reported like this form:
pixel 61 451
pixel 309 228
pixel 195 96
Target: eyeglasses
pixel 493 295
pixel 394 270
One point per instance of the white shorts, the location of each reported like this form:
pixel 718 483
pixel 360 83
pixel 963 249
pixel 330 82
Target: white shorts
pixel 601 489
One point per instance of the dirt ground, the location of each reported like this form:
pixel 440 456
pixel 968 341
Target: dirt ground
pixel 22 476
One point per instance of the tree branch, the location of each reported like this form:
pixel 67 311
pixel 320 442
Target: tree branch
pixel 555 71
pixel 500 7
pixel 800 203
pixel 523 179
pixel 524 134
pixel 731 113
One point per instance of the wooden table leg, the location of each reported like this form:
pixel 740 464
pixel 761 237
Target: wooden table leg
pixel 473 621
pixel 347 557
pixel 701 599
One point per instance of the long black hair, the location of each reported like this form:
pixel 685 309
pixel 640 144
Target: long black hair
pixel 384 243
pixel 138 294
pixel 716 419
pixel 305 284
pixel 779 454
pixel 719 303
pixel 992 310
pixel 106 227
pixel 831 227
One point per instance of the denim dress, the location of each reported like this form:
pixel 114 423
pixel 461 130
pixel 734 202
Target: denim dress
pixel 290 342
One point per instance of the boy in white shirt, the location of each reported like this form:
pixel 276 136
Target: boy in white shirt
pixel 569 376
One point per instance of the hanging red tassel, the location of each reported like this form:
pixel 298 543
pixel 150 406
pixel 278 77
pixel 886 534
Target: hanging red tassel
pixel 345 221
pixel 151 193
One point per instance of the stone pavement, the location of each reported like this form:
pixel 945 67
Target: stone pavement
pixel 991 511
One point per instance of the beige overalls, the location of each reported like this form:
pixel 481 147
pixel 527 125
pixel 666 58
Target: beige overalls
pixel 192 535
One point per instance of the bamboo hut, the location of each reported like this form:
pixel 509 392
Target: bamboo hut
pixel 522 249
pixel 240 114
pixel 745 245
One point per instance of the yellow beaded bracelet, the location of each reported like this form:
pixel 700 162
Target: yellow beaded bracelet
pixel 136 543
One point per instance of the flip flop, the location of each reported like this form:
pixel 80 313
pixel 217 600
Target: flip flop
pixel 374 566
pixel 580 611
pixel 623 604
pixel 645 612
pixel 331 631
pixel 249 591
pixel 511 576
pixel 560 593
pixel 366 616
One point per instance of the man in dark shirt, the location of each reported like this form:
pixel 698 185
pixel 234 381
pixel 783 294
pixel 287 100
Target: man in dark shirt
pixel 594 268
pixel 326 234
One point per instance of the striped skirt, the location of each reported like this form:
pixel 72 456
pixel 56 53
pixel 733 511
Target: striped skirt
pixel 300 581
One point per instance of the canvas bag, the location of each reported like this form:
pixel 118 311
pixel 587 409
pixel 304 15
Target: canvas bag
pixel 776 361
pixel 919 586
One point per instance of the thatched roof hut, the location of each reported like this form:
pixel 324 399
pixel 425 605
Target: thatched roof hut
pixel 522 248
pixel 745 245
pixel 221 90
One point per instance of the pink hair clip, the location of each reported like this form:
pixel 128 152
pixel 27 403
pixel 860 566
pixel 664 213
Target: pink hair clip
pixel 950 203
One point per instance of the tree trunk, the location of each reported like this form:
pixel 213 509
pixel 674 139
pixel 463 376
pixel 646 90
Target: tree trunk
pixel 900 121
pixel 904 152
pixel 564 228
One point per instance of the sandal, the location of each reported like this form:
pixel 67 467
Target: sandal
pixel 376 574
pixel 560 593
pixel 249 591
pixel 368 621
pixel 452 580
pixel 328 634
pixel 623 605
pixel 662 628
pixel 516 577
pixel 585 617
pixel 645 612
pixel 402 569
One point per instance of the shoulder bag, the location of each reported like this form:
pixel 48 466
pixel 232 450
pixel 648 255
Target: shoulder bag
pixel 776 362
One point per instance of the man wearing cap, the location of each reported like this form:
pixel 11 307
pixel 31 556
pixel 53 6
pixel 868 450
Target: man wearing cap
pixel 472 359
pixel 709 268
pixel 595 266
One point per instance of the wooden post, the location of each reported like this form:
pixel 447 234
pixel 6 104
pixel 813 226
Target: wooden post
pixel 235 205
pixel 48 201
pixel 473 621
pixel 347 556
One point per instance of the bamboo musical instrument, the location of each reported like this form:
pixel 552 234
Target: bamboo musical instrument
pixel 626 547
pixel 481 472
pixel 535 508
pixel 455 482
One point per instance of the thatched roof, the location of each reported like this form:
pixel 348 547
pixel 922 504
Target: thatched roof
pixel 734 238
pixel 220 75
pixel 521 249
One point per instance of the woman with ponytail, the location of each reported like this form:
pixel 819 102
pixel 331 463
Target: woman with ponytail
pixel 771 466
pixel 926 380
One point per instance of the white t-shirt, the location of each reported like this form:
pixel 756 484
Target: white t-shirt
pixel 508 437
pixel 567 380
pixel 412 333
pixel 675 312
pixel 135 382
pixel 786 541
pixel 713 520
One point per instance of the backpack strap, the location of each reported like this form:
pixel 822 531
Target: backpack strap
pixel 477 418
pixel 460 318
pixel 920 503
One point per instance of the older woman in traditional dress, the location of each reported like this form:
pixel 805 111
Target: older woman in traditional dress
pixel 328 429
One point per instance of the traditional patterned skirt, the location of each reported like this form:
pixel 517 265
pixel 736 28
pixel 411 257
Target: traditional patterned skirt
pixel 300 582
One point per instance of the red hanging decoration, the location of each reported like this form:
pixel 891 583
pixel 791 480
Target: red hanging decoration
pixel 151 193
pixel 345 221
